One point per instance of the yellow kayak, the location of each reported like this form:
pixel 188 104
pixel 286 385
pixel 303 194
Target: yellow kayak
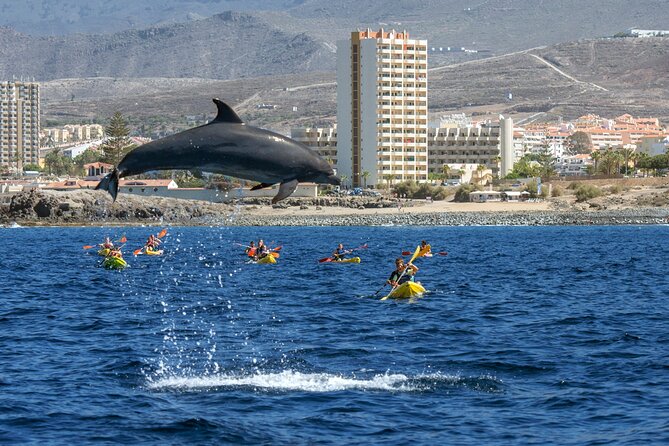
pixel 151 252
pixel 114 263
pixel 406 291
pixel 351 260
pixel 266 259
pixel 104 252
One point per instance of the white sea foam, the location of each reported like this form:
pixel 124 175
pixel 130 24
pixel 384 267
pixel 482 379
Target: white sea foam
pixel 291 380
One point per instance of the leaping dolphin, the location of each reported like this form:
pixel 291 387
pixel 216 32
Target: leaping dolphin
pixel 228 146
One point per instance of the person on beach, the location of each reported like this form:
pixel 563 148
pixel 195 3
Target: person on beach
pixel 339 253
pixel 403 273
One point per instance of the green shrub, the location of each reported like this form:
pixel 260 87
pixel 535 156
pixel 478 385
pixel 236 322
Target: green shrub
pixel 615 189
pixel 406 188
pixel 575 185
pixel 587 191
pixel 411 189
pixel 532 187
pixel 462 194
pixel 557 191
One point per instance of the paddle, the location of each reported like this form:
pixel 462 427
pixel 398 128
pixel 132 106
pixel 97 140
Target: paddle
pixel 416 253
pixel 330 259
pixel 121 240
pixel 441 253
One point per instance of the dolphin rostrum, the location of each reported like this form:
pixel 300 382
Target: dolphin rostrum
pixel 228 146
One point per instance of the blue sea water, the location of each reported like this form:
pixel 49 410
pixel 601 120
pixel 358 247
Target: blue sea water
pixel 529 335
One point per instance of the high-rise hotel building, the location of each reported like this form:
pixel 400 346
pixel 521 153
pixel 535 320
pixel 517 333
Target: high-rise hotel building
pixel 19 124
pixel 382 115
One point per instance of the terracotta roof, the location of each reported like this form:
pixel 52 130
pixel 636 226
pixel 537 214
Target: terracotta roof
pixel 149 183
pixel 98 164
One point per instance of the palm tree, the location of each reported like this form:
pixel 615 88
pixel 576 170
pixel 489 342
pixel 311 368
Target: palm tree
pixel 596 155
pixel 479 173
pixel 389 178
pixel 618 158
pixel 627 154
pixel 365 175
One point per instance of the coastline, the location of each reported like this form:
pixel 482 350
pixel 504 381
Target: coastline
pixel 91 208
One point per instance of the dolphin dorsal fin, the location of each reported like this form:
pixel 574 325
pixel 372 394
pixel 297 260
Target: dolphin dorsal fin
pixel 226 113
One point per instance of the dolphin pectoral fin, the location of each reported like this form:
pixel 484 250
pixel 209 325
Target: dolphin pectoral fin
pixel 286 188
pixel 262 186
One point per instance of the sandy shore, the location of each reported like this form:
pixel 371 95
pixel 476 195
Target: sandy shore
pixel 415 207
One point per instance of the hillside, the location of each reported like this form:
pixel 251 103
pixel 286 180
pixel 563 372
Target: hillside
pixel 605 76
pixel 225 46
pixel 499 26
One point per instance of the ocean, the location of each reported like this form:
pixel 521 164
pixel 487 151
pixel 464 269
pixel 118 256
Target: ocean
pixel 528 335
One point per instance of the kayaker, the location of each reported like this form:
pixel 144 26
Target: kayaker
pixel 339 253
pixel 115 252
pixel 261 250
pixel 251 249
pixel 399 276
pixel 107 244
pixel 424 245
pixel 152 243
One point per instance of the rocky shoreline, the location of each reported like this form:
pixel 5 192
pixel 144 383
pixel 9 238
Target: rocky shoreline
pixel 86 208
pixel 532 218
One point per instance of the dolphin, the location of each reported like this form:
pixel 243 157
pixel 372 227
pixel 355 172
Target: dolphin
pixel 228 146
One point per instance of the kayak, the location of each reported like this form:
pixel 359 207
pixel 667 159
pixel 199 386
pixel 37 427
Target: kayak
pixel 406 291
pixel 151 252
pixel 114 263
pixel 351 260
pixel 267 259
pixel 104 252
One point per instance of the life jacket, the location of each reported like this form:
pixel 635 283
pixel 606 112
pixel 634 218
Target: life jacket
pixel 407 277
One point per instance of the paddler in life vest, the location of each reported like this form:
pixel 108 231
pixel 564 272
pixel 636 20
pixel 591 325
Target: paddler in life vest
pixel 261 250
pixel 425 249
pixel 152 243
pixel 115 252
pixel 403 273
pixel 107 244
pixel 339 253
pixel 251 249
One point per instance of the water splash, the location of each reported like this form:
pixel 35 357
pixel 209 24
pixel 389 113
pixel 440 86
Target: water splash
pixel 290 380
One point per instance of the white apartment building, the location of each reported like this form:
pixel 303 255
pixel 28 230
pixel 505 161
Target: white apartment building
pixel 19 124
pixel 382 116
pixel 323 140
pixel 464 146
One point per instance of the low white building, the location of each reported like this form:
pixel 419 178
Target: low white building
pixel 483 196
pixel 576 165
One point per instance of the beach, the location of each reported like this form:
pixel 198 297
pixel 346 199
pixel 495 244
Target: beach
pixel 634 201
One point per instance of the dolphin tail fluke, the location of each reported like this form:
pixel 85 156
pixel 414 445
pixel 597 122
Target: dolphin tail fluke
pixel 286 188
pixel 110 184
